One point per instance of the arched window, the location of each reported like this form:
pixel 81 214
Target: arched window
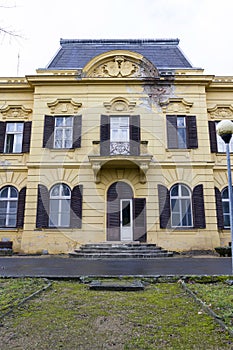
pixel 181 208
pixel 226 207
pixel 59 211
pixel 8 206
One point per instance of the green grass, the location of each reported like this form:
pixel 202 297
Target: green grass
pixel 13 291
pixel 70 316
pixel 218 297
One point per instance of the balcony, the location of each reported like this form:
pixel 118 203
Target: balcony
pixel 120 155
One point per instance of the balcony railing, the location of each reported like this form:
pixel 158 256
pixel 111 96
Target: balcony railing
pixel 119 148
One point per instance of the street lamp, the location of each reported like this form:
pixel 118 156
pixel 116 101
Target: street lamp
pixel 225 130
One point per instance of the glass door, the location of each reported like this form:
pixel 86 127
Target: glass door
pixel 126 222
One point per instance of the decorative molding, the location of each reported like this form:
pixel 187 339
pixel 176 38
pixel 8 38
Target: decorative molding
pixel 119 105
pixel 144 166
pixel 176 105
pixel 96 166
pixel 64 106
pixel 220 111
pixel 157 93
pixel 97 163
pixel 121 66
pixel 15 111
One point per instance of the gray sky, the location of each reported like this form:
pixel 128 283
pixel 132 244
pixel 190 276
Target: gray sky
pixel 204 27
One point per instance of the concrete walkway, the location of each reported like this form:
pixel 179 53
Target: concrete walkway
pixel 65 267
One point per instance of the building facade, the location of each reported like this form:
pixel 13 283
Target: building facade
pixel 115 140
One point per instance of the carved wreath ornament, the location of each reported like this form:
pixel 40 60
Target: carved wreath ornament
pixel 118 67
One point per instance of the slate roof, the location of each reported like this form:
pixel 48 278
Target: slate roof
pixel 75 53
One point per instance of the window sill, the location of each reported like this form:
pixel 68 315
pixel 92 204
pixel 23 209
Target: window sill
pixel 56 229
pixel 178 149
pixel 14 154
pixel 61 149
pixel 10 229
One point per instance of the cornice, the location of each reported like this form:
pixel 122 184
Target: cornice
pixel 220 83
pixel 193 79
pixel 9 83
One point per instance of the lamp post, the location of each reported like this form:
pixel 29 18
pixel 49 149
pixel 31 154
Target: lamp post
pixel 225 130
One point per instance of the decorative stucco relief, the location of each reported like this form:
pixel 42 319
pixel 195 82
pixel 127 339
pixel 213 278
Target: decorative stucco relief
pixel 221 111
pixel 119 105
pixel 122 67
pixel 64 106
pixel 15 111
pixel 157 94
pixel 176 105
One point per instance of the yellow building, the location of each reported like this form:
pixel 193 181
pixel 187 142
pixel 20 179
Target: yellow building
pixel 115 140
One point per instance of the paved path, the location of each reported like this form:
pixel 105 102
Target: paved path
pixel 60 266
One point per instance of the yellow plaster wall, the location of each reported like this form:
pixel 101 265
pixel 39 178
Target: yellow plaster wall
pixel 191 167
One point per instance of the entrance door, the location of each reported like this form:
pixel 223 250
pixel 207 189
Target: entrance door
pixel 126 220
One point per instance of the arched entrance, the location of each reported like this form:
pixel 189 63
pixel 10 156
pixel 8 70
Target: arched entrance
pixel 126 215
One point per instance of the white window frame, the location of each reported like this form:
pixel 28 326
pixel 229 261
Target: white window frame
pixel 14 136
pixel 9 199
pixel 60 198
pixel 119 124
pixel 181 139
pixel 181 199
pixel 226 214
pixel 63 129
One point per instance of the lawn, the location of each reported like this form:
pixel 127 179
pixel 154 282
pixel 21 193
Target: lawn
pixel 217 295
pixel 70 316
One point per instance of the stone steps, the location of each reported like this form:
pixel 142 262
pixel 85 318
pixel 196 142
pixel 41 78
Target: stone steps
pixel 120 251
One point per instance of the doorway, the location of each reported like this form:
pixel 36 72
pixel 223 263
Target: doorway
pixel 126 220
pixel 126 215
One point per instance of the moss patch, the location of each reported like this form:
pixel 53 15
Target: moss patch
pixel 13 291
pixel 218 297
pixel 70 316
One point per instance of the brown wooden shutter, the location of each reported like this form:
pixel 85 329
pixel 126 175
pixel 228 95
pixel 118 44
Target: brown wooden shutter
pixel 26 137
pixel 48 139
pixel 134 132
pixel 139 217
pixel 113 214
pixel 21 208
pixel 191 126
pixel 42 216
pixel 105 135
pixel 164 206
pixel 77 130
pixel 213 137
pixel 2 136
pixel 198 207
pixel 172 131
pixel 219 209
pixel 76 207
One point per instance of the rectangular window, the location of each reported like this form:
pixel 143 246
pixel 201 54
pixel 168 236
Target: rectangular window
pixel 119 135
pixel 181 132
pixel 63 132
pixel 119 129
pixel 14 138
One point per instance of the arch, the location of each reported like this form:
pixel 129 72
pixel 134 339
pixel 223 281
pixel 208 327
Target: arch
pixel 126 215
pixel 59 205
pixel 119 190
pixel 120 64
pixel 226 207
pixel 9 206
pixel 181 206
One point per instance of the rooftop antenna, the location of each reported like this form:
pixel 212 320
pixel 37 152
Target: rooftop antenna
pixel 18 59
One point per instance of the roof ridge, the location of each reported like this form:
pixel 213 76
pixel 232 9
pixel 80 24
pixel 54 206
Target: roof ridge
pixel 118 41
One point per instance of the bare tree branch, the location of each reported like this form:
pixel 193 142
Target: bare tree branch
pixel 4 30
